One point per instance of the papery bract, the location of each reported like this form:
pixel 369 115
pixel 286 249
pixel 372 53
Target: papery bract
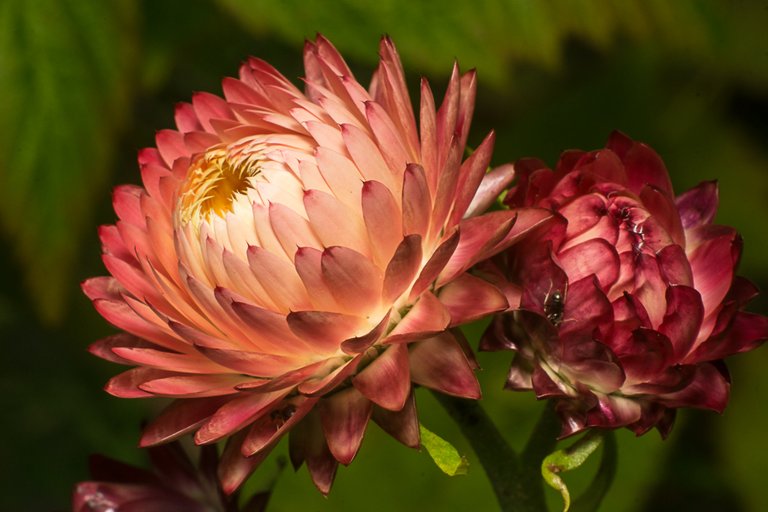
pixel 626 301
pixel 176 484
pixel 296 260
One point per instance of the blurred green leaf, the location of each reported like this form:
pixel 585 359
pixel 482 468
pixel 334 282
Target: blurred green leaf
pixel 492 35
pixel 445 455
pixel 65 77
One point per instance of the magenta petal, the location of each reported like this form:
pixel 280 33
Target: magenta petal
pixel 651 353
pixel 745 332
pixel 344 416
pixel 468 298
pixel 643 165
pixel 674 265
pixel 712 264
pixel 586 307
pixel 661 205
pixel 402 268
pixel 439 363
pixel 595 256
pixel 403 425
pixel 683 318
pixel 179 418
pixel 387 380
pixel 709 389
pixel 698 205
pixel 426 318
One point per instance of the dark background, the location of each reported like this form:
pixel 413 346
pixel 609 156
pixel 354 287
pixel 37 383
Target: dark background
pixel 84 85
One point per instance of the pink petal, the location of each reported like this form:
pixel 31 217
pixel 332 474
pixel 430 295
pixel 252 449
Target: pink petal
pixel 236 414
pixel 439 363
pixel 253 363
pixel 426 318
pixel 186 119
pixel 352 279
pixel 417 202
pixel 307 443
pixel 403 424
pixel 321 386
pixel 479 236
pixel 189 386
pixel 234 468
pixel 334 223
pixel 471 175
pixel 402 268
pixel 492 185
pixel 270 427
pixel 325 330
pixel 469 298
pixel 344 417
pixel 382 218
pixel 358 344
pixel 389 138
pixel 170 144
pixel 279 279
pixel 387 380
pixel 179 418
pixel 436 263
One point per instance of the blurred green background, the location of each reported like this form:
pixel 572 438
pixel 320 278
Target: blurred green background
pixel 84 85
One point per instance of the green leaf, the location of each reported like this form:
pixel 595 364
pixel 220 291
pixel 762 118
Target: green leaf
pixel 566 460
pixel 447 458
pixel 491 35
pixel 65 73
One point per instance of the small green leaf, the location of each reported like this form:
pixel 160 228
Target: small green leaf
pixel 445 455
pixel 567 459
pixel 591 498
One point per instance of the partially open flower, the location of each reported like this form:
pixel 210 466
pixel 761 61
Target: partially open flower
pixel 175 484
pixel 626 301
pixel 297 259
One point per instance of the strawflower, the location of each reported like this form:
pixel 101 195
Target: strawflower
pixel 626 302
pixel 294 261
pixel 175 484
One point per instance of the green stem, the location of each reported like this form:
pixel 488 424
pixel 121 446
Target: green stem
pixel 516 479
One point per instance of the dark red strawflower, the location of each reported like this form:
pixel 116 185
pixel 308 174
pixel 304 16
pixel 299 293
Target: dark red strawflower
pixel 175 484
pixel 627 299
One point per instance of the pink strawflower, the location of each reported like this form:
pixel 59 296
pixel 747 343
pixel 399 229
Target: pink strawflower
pixel 295 261
pixel 626 301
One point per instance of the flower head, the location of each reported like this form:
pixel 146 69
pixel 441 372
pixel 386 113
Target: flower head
pixel 295 260
pixel 626 301
pixel 176 483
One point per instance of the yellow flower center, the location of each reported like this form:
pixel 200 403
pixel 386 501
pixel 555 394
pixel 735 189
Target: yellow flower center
pixel 213 181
